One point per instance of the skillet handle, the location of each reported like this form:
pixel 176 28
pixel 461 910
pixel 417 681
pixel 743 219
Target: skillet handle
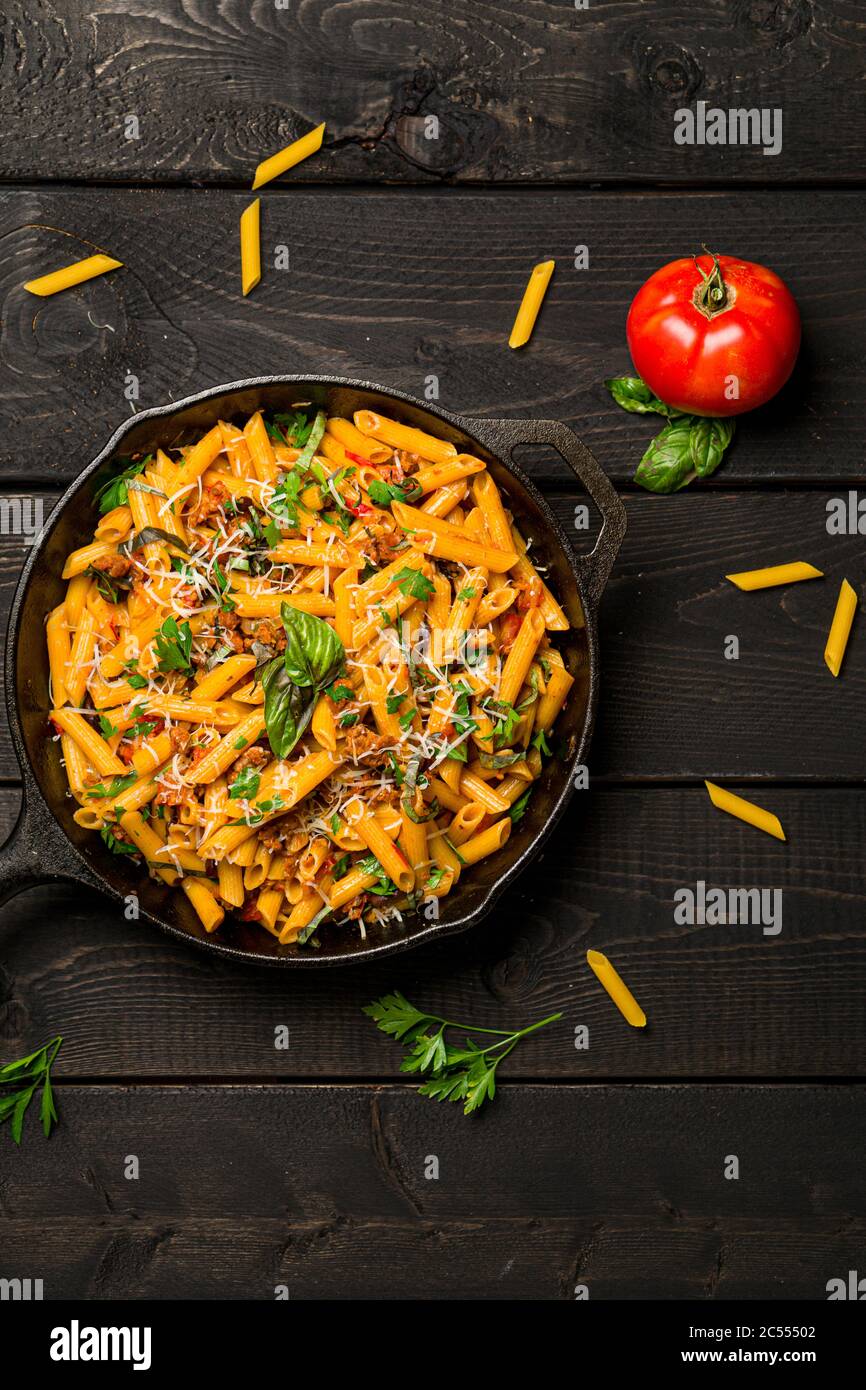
pixel 33 855
pixel 501 436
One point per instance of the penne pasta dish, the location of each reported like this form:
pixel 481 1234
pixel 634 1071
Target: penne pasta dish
pixel 305 670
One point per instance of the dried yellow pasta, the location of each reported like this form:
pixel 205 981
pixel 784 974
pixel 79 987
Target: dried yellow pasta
pixel 616 988
pixel 287 158
pixel 251 253
pixel 745 810
pixel 70 275
pixel 840 629
pixel 530 305
pixel 774 575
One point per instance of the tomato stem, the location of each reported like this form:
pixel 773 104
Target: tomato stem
pixel 712 296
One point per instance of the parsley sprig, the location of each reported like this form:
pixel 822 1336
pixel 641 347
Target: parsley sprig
pixel 23 1078
pixel 466 1073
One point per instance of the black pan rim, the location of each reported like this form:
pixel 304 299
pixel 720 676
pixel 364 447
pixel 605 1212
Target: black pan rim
pixel 372 951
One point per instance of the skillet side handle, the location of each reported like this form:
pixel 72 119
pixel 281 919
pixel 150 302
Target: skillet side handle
pixel 501 436
pixel 32 856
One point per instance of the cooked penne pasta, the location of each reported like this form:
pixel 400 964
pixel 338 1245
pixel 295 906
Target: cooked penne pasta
pixel 304 670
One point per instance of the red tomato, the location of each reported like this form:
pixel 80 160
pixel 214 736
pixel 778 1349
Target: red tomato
pixel 714 335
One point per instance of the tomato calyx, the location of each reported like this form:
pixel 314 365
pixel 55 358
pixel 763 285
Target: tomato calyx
pixel 712 296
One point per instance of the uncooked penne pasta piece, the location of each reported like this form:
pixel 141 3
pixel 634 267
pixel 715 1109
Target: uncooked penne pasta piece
pixel 616 987
pixel 251 253
pixel 745 810
pixel 840 629
pixel 774 575
pixel 70 275
pixel 287 158
pixel 530 305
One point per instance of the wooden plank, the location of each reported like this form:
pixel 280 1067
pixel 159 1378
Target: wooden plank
pixel 722 1000
pixel 326 1190
pixel 402 288
pixel 546 92
pixel 664 624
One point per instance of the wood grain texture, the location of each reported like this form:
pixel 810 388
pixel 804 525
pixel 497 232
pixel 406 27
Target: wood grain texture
pixel 323 1189
pixel 522 94
pixel 721 1000
pixel 774 713
pixel 400 288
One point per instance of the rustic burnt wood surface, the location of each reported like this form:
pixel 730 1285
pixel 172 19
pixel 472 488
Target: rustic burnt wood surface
pixel 621 1189
pixel 316 1179
pixel 401 287
pixel 547 92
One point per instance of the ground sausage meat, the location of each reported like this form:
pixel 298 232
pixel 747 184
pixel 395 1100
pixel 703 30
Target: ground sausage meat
pixel 251 757
pixel 212 498
pixel 361 742
pixel 115 566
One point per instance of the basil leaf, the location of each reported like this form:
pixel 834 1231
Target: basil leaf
pixel 151 534
pixel 633 394
pixel 667 464
pixel 708 441
pixel 495 761
pixel 305 457
pixel 314 653
pixel 288 708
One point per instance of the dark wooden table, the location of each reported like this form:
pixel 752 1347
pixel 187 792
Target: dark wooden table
pixel 604 1167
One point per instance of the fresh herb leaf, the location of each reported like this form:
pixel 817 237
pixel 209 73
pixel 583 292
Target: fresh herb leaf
pixel 284 501
pixel 245 785
pixel 496 761
pixel 688 446
pixel 174 645
pixel 339 693
pixel 114 493
pixel 348 720
pixel 633 394
pixel 314 652
pixel 24 1079
pixel 414 584
pixel 393 702
pixel 466 1073
pixel 383 494
pixel 153 535
pixel 114 843
pixel 295 425
pixel 518 810
pixel 383 887
pixel 317 429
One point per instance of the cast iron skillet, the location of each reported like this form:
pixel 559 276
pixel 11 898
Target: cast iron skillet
pixel 46 844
